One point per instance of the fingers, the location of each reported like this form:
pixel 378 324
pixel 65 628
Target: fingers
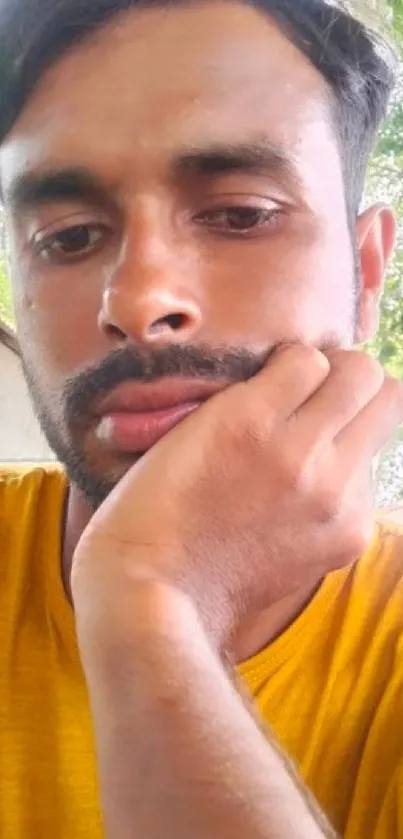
pixel 292 375
pixel 361 439
pixel 343 396
pixel 355 378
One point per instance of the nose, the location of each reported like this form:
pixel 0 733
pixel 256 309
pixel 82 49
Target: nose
pixel 152 296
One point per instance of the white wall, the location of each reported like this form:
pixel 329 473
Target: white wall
pixel 20 436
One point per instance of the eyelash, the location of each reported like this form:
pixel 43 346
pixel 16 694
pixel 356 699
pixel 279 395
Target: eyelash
pixel 46 246
pixel 270 217
pixel 261 220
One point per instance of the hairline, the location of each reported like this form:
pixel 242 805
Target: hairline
pixel 116 17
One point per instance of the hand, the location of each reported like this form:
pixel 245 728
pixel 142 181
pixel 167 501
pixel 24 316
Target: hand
pixel 263 489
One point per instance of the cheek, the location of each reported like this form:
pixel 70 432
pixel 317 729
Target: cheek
pixel 57 320
pixel 281 291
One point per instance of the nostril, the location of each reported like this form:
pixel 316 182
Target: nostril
pixel 173 322
pixel 114 331
pixel 176 321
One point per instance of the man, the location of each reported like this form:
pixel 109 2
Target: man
pixel 182 185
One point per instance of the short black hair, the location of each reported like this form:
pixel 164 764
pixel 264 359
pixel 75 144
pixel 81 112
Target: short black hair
pixel 357 64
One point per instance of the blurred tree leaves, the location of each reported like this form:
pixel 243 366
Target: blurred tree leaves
pixel 6 306
pixel 385 182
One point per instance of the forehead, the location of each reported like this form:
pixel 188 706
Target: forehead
pixel 157 79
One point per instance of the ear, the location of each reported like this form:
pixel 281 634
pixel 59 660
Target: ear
pixel 376 232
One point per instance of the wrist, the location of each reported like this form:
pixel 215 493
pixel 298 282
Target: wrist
pixel 155 615
pixel 121 604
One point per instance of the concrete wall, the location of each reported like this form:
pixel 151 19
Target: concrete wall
pixel 20 436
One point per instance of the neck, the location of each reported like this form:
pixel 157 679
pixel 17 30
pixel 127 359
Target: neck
pixel 77 515
pixel 252 636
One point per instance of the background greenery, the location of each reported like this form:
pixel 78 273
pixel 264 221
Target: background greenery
pixel 6 309
pixel 385 181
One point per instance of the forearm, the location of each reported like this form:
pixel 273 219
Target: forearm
pixel 179 754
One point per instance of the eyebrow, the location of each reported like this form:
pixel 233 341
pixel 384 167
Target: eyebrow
pixel 30 189
pixel 261 158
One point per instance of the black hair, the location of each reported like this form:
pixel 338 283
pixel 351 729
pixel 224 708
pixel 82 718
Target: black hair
pixel 358 65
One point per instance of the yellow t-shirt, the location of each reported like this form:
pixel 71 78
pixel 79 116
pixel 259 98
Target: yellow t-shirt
pixel 331 686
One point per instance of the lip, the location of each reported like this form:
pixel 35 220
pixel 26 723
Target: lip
pixel 133 417
pixel 144 398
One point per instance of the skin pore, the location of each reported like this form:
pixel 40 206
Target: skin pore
pixel 206 209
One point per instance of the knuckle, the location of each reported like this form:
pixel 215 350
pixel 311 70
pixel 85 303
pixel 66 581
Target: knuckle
pixel 328 504
pixel 369 366
pixel 394 389
pixel 361 537
pixel 356 537
pixel 361 365
pixel 251 434
pixel 305 355
pixel 248 422
pixel 295 472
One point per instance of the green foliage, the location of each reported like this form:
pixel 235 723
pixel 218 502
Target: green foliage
pixel 396 8
pixel 6 306
pixel 385 181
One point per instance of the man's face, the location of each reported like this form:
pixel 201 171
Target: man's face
pixel 186 215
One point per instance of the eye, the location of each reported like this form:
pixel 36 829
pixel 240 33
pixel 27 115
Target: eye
pixel 239 220
pixel 72 242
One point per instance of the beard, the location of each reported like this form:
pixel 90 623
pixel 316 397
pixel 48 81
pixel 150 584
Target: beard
pixel 67 413
pixel 68 416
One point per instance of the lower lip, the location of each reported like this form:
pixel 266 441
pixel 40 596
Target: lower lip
pixel 133 432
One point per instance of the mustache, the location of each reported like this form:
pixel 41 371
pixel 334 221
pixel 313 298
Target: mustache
pixel 230 365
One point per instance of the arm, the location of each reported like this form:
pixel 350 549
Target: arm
pixel 258 494
pixel 180 756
